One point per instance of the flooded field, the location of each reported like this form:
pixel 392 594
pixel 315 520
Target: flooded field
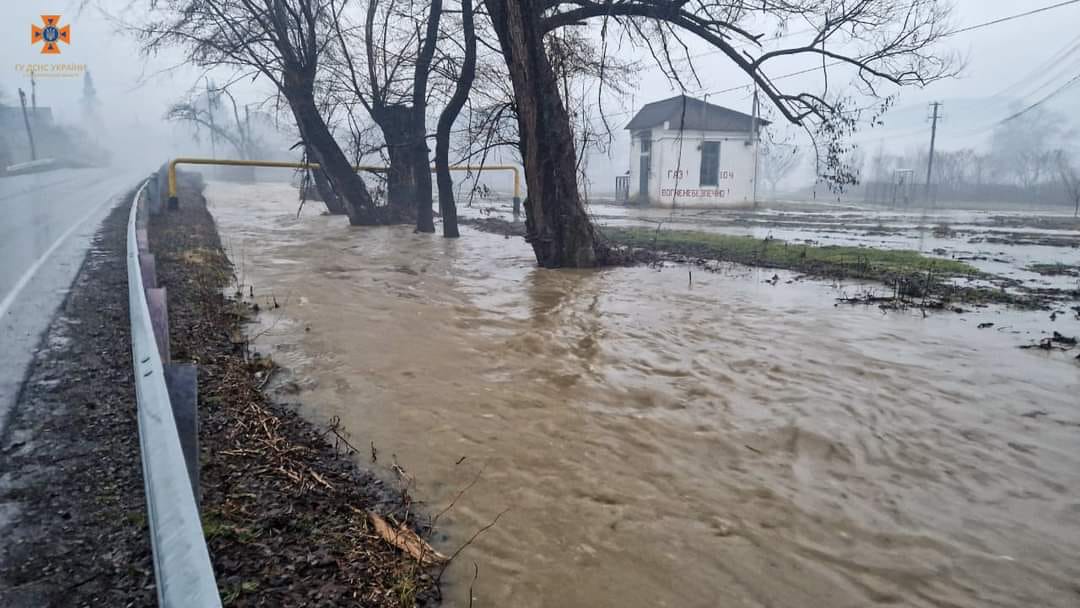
pixel 645 440
pixel 1006 243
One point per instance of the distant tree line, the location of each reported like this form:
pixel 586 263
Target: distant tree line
pixel 1030 160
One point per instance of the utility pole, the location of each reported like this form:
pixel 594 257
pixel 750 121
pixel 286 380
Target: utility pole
pixel 757 138
pixel 247 130
pixel 33 91
pixel 933 139
pixel 26 121
pixel 210 112
pixel 704 106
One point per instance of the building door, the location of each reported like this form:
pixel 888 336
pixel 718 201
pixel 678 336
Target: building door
pixel 645 166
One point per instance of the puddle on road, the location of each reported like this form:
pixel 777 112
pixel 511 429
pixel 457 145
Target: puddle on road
pixel 657 443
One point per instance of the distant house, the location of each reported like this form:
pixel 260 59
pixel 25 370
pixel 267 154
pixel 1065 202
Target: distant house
pixel 14 145
pixel 11 118
pixel 689 153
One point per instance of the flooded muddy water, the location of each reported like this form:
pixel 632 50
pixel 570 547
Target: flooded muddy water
pixel 652 440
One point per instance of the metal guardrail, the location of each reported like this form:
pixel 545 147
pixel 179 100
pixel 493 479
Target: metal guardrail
pixel 291 165
pixel 185 578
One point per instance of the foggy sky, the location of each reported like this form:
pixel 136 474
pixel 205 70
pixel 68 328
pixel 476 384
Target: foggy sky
pixel 135 92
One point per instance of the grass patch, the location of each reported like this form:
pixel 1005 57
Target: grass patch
pixel 217 527
pixel 829 260
pixel 136 519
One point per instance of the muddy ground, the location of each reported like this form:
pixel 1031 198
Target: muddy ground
pixel 284 509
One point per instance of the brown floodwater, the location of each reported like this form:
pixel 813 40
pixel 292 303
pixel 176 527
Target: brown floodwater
pixel 657 441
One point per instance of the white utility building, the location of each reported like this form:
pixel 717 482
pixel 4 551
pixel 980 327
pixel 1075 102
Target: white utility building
pixel 685 152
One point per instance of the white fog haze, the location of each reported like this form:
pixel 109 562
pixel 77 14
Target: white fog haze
pixel 540 303
pixel 1007 66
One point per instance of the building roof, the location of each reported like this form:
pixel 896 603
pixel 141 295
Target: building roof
pixel 698 115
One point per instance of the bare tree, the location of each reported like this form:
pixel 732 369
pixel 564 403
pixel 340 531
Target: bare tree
pixel 280 40
pixel 1023 146
pixel 778 161
pixel 881 41
pixel 400 40
pixel 200 111
pixel 1070 177
pixel 447 205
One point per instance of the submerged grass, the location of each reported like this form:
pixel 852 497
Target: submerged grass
pixel 1054 269
pixel 828 260
pixel 909 274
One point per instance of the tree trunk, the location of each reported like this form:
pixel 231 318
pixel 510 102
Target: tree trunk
pixel 421 165
pixel 325 151
pixel 330 198
pixel 447 206
pixel 402 190
pixel 556 224
pixel 424 220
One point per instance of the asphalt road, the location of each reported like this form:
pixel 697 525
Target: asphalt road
pixel 47 224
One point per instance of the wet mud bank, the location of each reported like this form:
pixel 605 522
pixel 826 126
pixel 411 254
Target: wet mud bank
pixel 286 511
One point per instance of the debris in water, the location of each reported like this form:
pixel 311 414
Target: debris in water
pixel 1060 339
pixel 985 325
pixel 1035 414
pixel 1044 344
pixel 723 527
pixel 405 539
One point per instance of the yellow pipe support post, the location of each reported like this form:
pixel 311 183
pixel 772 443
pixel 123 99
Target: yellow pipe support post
pixel 174 202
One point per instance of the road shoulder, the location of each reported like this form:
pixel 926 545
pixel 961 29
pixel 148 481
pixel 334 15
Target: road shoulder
pixel 71 479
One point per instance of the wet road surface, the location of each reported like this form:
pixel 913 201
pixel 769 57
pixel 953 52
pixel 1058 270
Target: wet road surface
pixel 47 221
pixel 660 442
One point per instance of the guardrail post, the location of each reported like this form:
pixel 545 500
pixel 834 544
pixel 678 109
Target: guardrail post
pixel 148 268
pixel 182 382
pixel 159 319
pixel 182 566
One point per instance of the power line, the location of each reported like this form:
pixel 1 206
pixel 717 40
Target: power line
pixel 970 28
pixel 1041 70
pixel 812 30
pixel 1054 93
pixel 978 131
pixel 1012 17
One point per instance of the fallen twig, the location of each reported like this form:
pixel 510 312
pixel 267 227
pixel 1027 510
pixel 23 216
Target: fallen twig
pixel 438 579
pixel 405 539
